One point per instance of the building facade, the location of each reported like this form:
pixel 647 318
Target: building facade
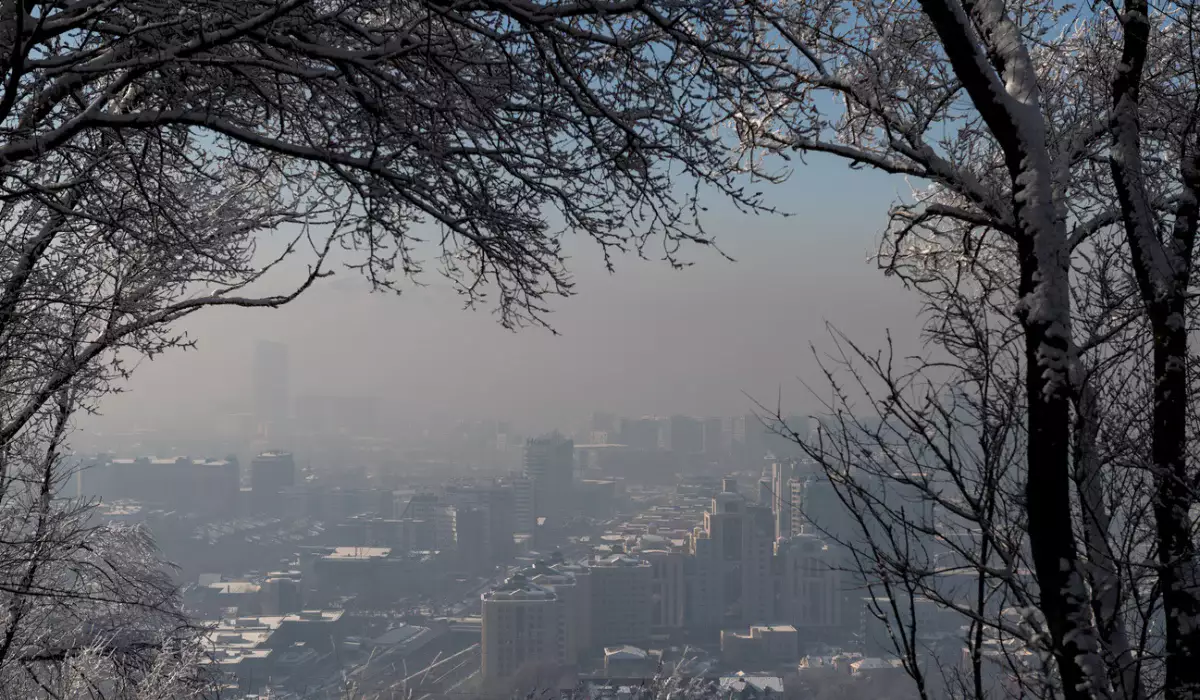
pixel 522 626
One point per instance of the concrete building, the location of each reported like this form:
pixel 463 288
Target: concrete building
pixel 271 473
pixel 524 518
pixel 204 486
pixel 668 588
pixel 622 602
pixel 730 577
pixel 522 626
pixel 582 577
pixel 810 595
pixel 573 601
pixel 550 465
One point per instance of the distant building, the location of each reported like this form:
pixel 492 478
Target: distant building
pixel 208 486
pixel 783 472
pixel 269 380
pixel 271 473
pixel 622 603
pixel 686 435
pixel 715 437
pixel 524 516
pixel 550 465
pixel 522 626
pixel 470 537
pixel 730 576
pixel 810 595
pixel 575 601
pixel 639 433
pixel 668 588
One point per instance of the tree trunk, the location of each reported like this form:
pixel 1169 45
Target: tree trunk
pixel 1048 493
pixel 1173 499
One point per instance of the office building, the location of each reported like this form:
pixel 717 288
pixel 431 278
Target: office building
pixel 622 602
pixel 271 473
pixel 269 380
pixel 783 472
pixel 522 626
pixel 810 594
pixel 550 465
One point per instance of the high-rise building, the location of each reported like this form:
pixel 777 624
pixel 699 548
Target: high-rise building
pixel 524 518
pixel 810 595
pixel 715 438
pixel 550 465
pixel 622 603
pixel 667 587
pixel 757 585
pixel 522 626
pixel 470 538
pixel 582 576
pixel 270 474
pixel 731 576
pixel 783 472
pixel 686 435
pixel 269 379
pixel 639 433
pixel 573 601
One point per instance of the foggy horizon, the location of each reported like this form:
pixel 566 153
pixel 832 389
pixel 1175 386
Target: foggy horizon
pixel 647 339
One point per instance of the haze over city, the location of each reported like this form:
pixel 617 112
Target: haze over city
pixel 647 339
pixel 743 350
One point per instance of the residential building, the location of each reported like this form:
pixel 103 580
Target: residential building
pixel 522 626
pixel 622 603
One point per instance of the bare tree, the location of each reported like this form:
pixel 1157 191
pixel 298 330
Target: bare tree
pixel 1057 146
pixel 149 149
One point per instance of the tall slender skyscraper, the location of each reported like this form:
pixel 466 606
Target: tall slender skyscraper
pixel 269 379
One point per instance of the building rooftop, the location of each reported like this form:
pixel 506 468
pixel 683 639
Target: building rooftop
pixel 519 588
pixel 359 553
pixel 234 587
pixel 761 684
pixel 618 560
pixel 625 652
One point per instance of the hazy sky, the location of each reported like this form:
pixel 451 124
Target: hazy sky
pixel 648 339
